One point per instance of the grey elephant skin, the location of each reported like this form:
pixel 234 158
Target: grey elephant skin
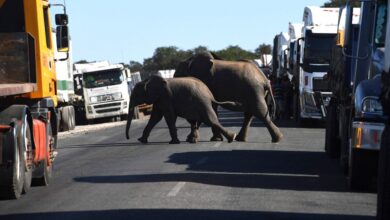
pixel 185 97
pixel 238 81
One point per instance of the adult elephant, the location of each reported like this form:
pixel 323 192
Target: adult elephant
pixel 239 81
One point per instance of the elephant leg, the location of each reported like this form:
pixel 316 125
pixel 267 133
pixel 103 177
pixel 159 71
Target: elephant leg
pixel 217 136
pixel 155 117
pixel 263 114
pixel 245 126
pixel 193 137
pixel 170 118
pixel 214 123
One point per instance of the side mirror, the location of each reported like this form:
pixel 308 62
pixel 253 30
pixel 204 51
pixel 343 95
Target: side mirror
pixel 62 38
pixel 61 19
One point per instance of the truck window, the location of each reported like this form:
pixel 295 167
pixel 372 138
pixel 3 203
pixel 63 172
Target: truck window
pixel 47 27
pixel 380 26
pixel 318 48
pixel 103 78
pixel 12 16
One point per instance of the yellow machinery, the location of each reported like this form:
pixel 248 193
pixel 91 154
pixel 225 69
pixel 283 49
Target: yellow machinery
pixel 28 119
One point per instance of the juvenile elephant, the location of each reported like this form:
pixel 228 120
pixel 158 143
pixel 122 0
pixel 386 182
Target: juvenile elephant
pixel 238 81
pixel 185 97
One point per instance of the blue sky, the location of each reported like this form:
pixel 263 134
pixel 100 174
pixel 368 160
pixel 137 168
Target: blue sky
pixel 124 30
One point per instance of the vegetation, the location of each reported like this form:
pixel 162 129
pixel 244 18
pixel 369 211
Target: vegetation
pixel 168 57
pixel 339 3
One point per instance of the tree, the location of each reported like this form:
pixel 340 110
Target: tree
pixel 235 53
pixel 81 61
pixel 339 3
pixel 135 66
pixel 263 49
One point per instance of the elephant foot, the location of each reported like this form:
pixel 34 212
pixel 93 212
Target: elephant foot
pixel 174 141
pixel 278 138
pixel 143 140
pixel 217 137
pixel 192 140
pixel 232 137
pixel 240 138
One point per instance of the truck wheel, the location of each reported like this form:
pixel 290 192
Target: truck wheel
pixel 332 143
pixel 383 210
pixel 72 118
pixel 360 169
pixel 25 143
pixel 65 119
pixel 45 167
pixel 12 175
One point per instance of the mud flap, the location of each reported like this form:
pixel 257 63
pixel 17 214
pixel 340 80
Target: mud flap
pixel 320 103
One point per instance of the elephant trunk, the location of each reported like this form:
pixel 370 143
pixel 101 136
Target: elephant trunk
pixel 130 116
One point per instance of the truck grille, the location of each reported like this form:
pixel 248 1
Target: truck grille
pixel 107 110
pixel 320 85
pixel 108 107
pixel 115 104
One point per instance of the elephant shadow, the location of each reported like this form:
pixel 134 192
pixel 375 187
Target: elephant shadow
pixel 296 170
pixel 265 169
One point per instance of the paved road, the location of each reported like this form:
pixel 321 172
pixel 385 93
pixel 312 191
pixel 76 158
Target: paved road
pixel 101 175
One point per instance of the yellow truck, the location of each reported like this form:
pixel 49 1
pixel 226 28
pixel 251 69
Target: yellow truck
pixel 28 94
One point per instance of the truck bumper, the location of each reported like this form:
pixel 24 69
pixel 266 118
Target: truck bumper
pixel 366 135
pixel 104 110
pixel 310 107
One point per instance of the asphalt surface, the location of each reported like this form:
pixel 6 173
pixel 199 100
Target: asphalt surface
pixel 101 175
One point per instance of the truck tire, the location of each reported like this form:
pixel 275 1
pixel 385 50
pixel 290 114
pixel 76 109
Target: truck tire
pixel 383 207
pixel 72 117
pixel 332 142
pixel 360 169
pixel 45 167
pixel 12 175
pixel 65 119
pixel 25 143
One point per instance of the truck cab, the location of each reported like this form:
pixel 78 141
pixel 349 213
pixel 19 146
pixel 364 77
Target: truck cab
pixel 318 33
pixel 104 88
pixel 355 118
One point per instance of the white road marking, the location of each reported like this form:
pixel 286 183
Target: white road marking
pixel 202 161
pixel 176 189
pixel 217 144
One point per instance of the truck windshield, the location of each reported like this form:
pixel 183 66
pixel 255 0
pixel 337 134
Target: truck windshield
pixel 380 26
pixel 102 78
pixel 318 48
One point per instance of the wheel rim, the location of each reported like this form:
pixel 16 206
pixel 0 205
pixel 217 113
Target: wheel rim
pixel 17 163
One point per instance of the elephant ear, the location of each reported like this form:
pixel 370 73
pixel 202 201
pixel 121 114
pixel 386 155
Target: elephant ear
pixel 182 68
pixel 202 65
pixel 154 88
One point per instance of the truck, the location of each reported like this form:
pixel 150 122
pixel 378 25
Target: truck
pixel 312 55
pixel 294 33
pixel 383 204
pixel 28 94
pixel 65 91
pixel 279 55
pixel 103 91
pixel 354 120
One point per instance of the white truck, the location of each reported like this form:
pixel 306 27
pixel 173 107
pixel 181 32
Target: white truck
pixel 295 34
pixel 314 53
pixel 65 91
pixel 104 90
pixel 279 55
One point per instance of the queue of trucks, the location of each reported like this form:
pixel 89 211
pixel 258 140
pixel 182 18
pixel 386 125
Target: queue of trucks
pixel 334 64
pixel 43 93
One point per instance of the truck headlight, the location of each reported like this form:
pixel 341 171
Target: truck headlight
pixel 366 135
pixel 93 99
pixel 117 96
pixel 371 105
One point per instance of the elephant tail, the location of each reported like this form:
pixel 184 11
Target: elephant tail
pixel 268 91
pixel 233 106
